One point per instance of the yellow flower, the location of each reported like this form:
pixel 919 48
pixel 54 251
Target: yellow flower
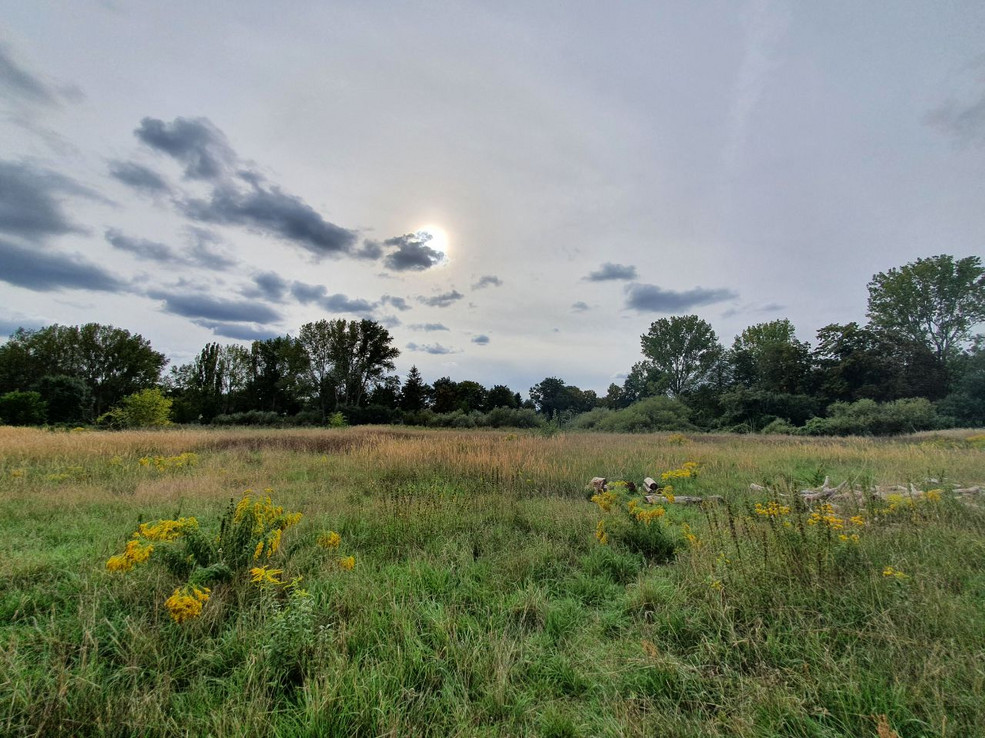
pixel 600 533
pixel 329 540
pixel 646 516
pixel 133 554
pixel 166 530
pixel 605 500
pixel 186 603
pixel 258 550
pixel 263 575
pixel 891 572
pixel 933 495
pixel 347 563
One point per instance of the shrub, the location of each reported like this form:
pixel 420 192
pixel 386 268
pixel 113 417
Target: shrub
pixel 148 408
pixel 780 427
pixel 868 417
pixel 22 408
pixel 649 415
pixel 251 417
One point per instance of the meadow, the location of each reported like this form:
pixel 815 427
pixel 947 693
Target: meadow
pixel 446 583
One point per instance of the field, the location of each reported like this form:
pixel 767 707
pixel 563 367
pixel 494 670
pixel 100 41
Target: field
pixel 474 588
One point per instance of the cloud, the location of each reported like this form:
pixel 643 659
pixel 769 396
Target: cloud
pixel 142 248
pixel 270 286
pixel 238 331
pixel 194 142
pixel 337 303
pixel 963 121
pixel 580 306
pixel 489 280
pixel 17 82
pixel 397 302
pixel 443 300
pixel 206 155
pixel 371 250
pixel 10 322
pixel 44 271
pixel 481 340
pixel 431 348
pixel 141 178
pixel 201 252
pixel 610 271
pixel 204 306
pixel 342 304
pixel 653 299
pixel 411 253
pixel 429 327
pixel 30 206
pixel 273 212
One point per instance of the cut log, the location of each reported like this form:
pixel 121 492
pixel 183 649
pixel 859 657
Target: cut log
pixel 968 491
pixel 683 499
pixel 650 484
pixel 599 484
pixel 757 487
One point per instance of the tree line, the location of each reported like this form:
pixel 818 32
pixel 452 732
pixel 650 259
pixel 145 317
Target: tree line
pixel 915 364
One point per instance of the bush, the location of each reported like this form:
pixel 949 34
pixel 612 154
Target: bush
pixel 779 426
pixel 23 408
pixel 148 408
pixel 508 417
pixel 868 417
pixel 251 417
pixel 646 416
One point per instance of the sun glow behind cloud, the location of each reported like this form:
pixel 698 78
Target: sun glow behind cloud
pixel 437 239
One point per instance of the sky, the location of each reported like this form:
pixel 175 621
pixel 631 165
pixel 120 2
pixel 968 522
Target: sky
pixel 516 190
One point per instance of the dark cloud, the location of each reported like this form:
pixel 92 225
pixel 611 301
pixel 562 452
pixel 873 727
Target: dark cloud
pixel 142 248
pixel 342 304
pixel 238 331
pixel 431 348
pixel 44 271
pixel 481 340
pixel 371 250
pixel 30 206
pixel 580 306
pixel 411 253
pixel 141 178
pixel 269 286
pixel 194 142
pixel 489 280
pixel 963 121
pixel 337 303
pixel 388 321
pixel 443 300
pixel 429 327
pixel 274 212
pixel 609 271
pixel 652 299
pixel 210 308
pixel 18 83
pixel 397 302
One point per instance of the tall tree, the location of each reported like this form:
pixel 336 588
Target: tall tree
pixel 768 356
pixel 683 349
pixel 550 396
pixel 501 396
pixel 415 392
pixel 936 301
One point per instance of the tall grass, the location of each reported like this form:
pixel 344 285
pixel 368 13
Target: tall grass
pixel 481 602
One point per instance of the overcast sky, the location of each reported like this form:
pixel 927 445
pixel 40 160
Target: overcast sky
pixel 515 189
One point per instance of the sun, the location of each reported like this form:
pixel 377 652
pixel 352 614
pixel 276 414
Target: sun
pixel 437 239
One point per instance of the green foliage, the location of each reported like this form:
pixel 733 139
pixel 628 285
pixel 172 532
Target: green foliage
pixel 22 408
pixel 867 417
pixel 69 399
pixel 683 349
pixel 646 416
pixel 935 301
pixel 148 408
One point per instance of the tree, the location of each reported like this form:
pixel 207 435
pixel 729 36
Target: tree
pixel 415 392
pixel 111 361
pixel 501 396
pixel 445 395
pixel 359 354
pixel 68 398
pixel 936 301
pixel 22 408
pixel 278 370
pixel 683 350
pixel 768 357
pixel 550 396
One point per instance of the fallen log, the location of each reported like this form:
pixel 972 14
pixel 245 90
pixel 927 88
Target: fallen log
pixel 650 484
pixel 599 484
pixel 683 499
pixel 757 487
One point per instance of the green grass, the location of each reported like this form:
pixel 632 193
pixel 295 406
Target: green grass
pixel 481 602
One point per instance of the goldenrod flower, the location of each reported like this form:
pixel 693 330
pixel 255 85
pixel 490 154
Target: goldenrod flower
pixel 264 575
pixel 329 540
pixel 347 562
pixel 186 603
pixel 600 533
